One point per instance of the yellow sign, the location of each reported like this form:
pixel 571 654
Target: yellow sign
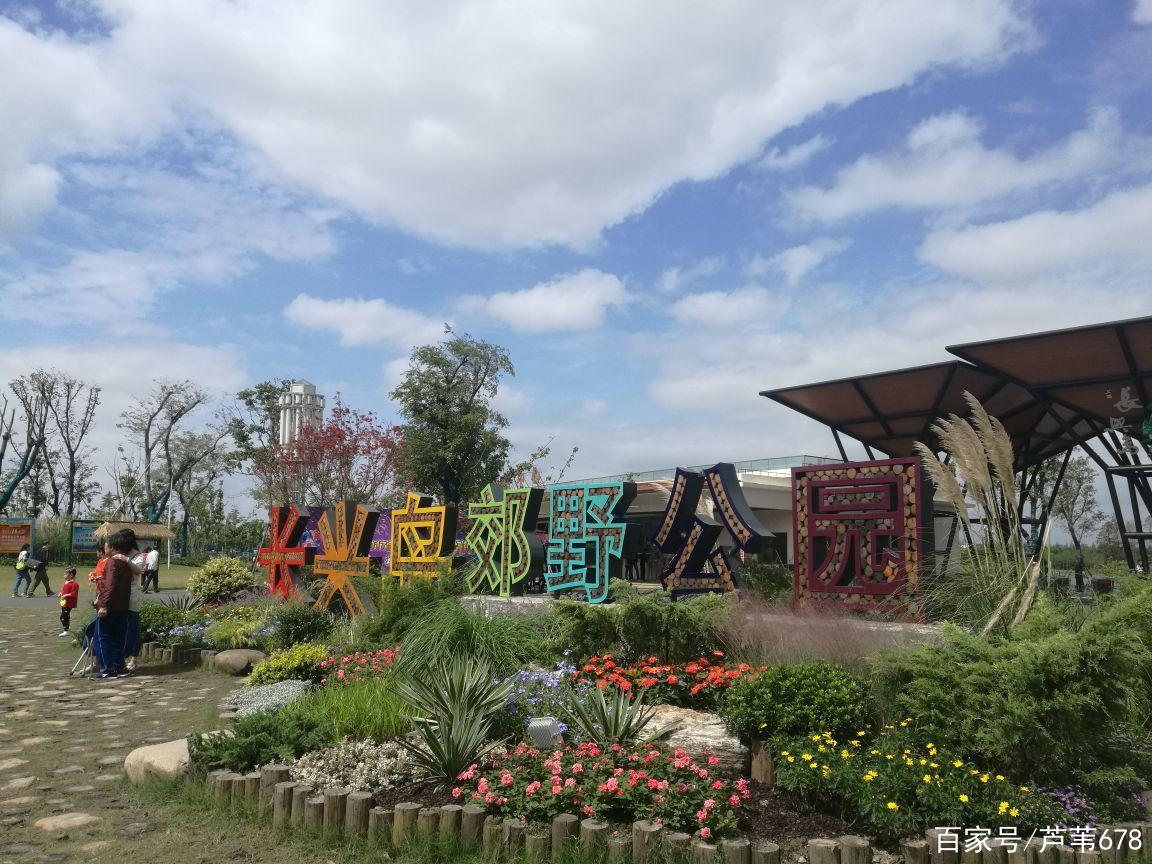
pixel 345 555
pixel 423 537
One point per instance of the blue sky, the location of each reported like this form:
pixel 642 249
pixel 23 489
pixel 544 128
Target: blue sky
pixel 660 208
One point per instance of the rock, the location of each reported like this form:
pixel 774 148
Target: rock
pixel 697 731
pixel 20 783
pixel 157 760
pixel 238 661
pixel 66 822
pixel 17 849
pixel 135 829
pixel 9 764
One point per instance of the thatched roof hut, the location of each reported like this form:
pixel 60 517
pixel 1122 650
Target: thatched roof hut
pixel 143 530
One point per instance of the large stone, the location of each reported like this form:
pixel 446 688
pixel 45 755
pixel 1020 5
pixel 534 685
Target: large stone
pixel 698 733
pixel 238 661
pixel 157 760
pixel 66 821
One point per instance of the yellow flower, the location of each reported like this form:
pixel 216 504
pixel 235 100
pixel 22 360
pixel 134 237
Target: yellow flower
pixel 1013 812
pixel 821 749
pixel 1003 807
pixel 854 743
pixel 870 776
pixel 903 723
pixel 873 752
pixel 887 755
pixel 783 752
pixel 923 761
pixel 861 733
pixel 983 778
pixel 807 757
pixel 933 765
pixel 963 799
pixel 815 737
pixel 973 772
pixel 929 745
pixel 999 776
pixel 957 764
pixel 762 725
pixel 927 778
pixel 813 765
pixel 1023 788
pixel 892 805
pixel 826 771
pixel 791 758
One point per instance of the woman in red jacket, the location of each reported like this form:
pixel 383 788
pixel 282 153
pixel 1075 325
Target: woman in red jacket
pixel 112 601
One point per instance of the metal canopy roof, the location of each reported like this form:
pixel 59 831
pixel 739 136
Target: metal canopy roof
pixel 1050 390
pixel 1084 369
pixel 890 411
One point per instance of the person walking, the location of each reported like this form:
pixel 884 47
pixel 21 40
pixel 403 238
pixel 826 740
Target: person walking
pixel 69 593
pixel 41 570
pixel 112 604
pixel 22 572
pixel 152 569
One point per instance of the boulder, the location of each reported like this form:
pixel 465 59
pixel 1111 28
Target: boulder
pixel 238 661
pixel 66 822
pixel 698 732
pixel 157 760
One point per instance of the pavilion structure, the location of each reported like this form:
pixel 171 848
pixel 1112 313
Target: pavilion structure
pixel 1084 387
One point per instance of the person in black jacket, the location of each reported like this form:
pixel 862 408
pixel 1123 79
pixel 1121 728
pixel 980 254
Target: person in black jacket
pixel 112 603
pixel 41 572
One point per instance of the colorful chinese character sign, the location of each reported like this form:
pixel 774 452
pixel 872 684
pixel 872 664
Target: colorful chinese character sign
pixel 382 540
pixel 284 556
pixel 346 532
pixel 423 536
pixel 503 539
pixel 689 537
pixel 586 536
pixel 857 535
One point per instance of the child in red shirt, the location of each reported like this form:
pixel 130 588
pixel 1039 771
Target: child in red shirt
pixel 68 595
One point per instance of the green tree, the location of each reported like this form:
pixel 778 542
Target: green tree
pixel 454 440
pixel 254 419
pixel 1075 507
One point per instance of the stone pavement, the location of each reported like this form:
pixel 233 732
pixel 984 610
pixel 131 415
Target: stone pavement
pixel 63 741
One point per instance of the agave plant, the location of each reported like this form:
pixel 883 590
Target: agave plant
pixel 615 719
pixel 452 705
pixel 182 603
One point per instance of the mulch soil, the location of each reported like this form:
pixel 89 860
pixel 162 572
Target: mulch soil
pixel 775 816
pixel 424 793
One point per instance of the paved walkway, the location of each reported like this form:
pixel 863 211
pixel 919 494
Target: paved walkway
pixel 63 742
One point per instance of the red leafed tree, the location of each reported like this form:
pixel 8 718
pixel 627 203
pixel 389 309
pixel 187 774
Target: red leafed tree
pixel 350 455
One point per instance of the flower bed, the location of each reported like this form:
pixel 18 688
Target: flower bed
pixel 358 666
pixel 897 783
pixel 614 783
pixel 695 684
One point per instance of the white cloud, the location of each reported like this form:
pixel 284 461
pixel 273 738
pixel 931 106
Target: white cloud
pixel 578 301
pixel 1142 12
pixel 795 156
pixel 944 164
pixel 719 309
pixel 795 263
pixel 511 401
pixel 478 123
pixel 359 321
pixel 593 407
pixel 1114 233
pixel 673 280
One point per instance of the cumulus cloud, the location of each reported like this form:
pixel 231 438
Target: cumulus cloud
pixel 673 280
pixel 578 301
pixel 1142 12
pixel 478 123
pixel 944 164
pixel 359 321
pixel 796 156
pixel 719 309
pixel 795 263
pixel 1112 233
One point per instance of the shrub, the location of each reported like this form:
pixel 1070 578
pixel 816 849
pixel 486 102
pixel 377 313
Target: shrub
pixel 452 705
pixel 900 782
pixel 615 783
pixel 301 662
pixel 1065 708
pixel 290 623
pixel 359 766
pixel 156 619
pixel 221 579
pixel 399 608
pixel 240 626
pixel 619 718
pixel 371 709
pixel 767 580
pixel 258 739
pixel 791 701
pixel 505 642
pixel 358 666
pixel 586 629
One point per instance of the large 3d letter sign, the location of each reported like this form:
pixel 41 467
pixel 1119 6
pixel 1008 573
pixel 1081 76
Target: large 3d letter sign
pixel 503 538
pixel 857 530
pixel 423 538
pixel 284 556
pixel 690 537
pixel 346 547
pixel 586 536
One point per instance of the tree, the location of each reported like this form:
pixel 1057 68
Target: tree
pixel 152 424
pixel 351 455
pixel 1075 506
pixel 453 437
pixel 255 418
pixel 73 409
pixel 196 460
pixel 33 393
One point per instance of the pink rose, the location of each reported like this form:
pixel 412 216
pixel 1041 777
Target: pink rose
pixel 456 793
pixel 705 833
pixel 734 800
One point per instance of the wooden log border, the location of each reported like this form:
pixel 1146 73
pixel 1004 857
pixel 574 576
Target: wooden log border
pixel 289 804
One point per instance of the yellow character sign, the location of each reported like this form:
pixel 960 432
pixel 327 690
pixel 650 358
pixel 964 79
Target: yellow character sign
pixel 423 537
pixel 346 548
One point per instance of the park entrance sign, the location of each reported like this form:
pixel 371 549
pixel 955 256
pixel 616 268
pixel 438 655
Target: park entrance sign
pixel 858 535
pixel 346 531
pixel 284 555
pixel 503 539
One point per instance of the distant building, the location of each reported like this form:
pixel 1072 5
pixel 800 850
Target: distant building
pixel 300 406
